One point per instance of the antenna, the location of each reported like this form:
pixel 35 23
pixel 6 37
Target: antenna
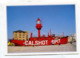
pixel 63 34
pixel 50 32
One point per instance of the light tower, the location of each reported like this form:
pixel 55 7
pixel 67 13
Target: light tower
pixel 38 26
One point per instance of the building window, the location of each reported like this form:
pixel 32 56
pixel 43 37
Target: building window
pixel 23 39
pixel 15 34
pixel 19 34
pixel 23 34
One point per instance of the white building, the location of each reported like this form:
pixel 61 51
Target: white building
pixel 72 38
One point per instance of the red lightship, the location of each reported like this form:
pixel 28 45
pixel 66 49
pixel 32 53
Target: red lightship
pixel 41 40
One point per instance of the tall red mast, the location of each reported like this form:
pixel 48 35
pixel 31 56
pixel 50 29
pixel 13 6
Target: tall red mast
pixel 50 32
pixel 38 26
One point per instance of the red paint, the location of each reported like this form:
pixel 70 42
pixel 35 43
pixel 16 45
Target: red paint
pixel 48 34
pixel 41 40
pixel 31 35
pixel 38 33
pixel 38 26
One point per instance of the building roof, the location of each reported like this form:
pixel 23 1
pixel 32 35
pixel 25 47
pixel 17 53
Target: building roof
pixel 20 31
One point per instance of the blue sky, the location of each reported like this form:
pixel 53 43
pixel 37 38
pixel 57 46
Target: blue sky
pixel 58 18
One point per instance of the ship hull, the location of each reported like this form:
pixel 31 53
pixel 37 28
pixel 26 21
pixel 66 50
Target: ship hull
pixel 40 42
